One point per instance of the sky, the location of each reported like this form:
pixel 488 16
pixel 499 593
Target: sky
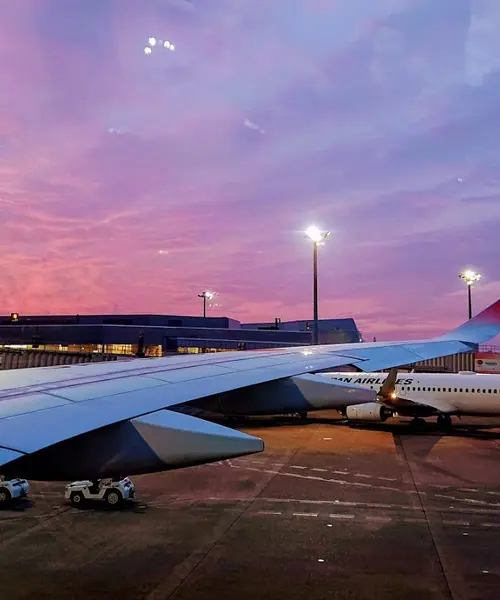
pixel 132 180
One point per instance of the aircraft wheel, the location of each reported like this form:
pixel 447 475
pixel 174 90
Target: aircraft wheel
pixel 5 497
pixel 76 499
pixel 303 416
pixel 418 424
pixel 444 421
pixel 113 497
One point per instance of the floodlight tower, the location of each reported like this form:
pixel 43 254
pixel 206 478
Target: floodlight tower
pixel 470 277
pixel 206 295
pixel 318 238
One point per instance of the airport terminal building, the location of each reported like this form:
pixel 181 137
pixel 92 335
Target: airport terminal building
pixel 43 340
pixel 158 335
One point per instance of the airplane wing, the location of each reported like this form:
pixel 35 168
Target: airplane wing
pixel 110 418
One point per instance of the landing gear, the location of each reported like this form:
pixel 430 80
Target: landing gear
pixel 444 422
pixel 302 416
pixel 418 424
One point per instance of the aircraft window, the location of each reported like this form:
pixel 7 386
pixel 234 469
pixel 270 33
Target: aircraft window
pixel 433 389
pixel 466 390
pixel 418 389
pixel 413 389
pixel 489 391
pixel 461 390
pixel 472 391
pixel 484 391
pixel 439 389
pixel 449 389
pixel 455 389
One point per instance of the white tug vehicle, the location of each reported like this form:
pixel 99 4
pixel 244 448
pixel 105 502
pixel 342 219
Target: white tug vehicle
pixel 112 491
pixel 12 489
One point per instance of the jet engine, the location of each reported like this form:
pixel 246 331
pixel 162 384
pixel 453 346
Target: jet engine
pixel 371 411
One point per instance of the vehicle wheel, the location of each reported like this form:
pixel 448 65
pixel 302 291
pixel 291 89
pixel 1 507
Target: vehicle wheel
pixel 5 497
pixel 76 498
pixel 113 497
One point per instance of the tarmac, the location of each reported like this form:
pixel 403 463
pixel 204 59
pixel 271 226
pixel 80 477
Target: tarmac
pixel 328 511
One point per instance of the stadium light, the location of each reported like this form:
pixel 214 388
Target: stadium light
pixel 470 277
pixel 206 295
pixel 318 238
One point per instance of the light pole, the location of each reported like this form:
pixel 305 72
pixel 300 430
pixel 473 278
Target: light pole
pixel 317 237
pixel 206 295
pixel 470 277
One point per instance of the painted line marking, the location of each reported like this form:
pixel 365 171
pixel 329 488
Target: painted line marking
pixel 268 512
pixel 473 501
pixel 309 501
pixel 340 516
pixel 445 496
pixel 378 519
pixel 361 475
pixel 338 503
pixel 387 478
pixel 316 469
pixel 467 490
pixel 305 514
pixel 490 524
pixel 456 523
pixel 411 520
pixel 297 467
pixel 494 493
pixel 342 472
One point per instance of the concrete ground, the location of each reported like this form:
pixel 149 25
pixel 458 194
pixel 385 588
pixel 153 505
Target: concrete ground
pixel 327 511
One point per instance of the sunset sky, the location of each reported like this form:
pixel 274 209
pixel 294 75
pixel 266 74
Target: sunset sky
pixel 130 182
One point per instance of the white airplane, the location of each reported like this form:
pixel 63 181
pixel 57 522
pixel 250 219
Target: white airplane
pixel 423 395
pixel 98 420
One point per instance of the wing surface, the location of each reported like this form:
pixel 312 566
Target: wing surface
pixel 44 406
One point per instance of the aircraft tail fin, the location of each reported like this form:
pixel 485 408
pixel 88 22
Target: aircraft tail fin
pixel 478 330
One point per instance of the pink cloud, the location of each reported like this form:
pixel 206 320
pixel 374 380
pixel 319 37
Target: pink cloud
pixel 182 196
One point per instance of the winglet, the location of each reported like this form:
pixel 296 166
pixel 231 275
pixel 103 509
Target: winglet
pixel 481 328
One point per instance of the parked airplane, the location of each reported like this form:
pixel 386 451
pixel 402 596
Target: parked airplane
pixel 423 395
pixel 106 419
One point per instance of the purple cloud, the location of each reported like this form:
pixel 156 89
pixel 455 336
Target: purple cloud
pixel 131 181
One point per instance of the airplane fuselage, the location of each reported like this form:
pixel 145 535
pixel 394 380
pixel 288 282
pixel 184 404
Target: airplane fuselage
pixel 468 393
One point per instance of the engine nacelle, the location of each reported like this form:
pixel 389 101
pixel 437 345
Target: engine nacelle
pixel 370 411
